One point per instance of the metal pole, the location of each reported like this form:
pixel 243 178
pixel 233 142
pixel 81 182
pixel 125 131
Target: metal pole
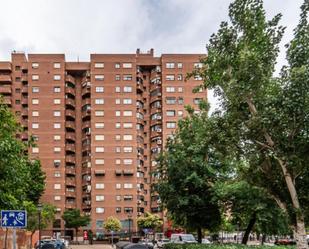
pixel 14 238
pixel 129 229
pixel 39 229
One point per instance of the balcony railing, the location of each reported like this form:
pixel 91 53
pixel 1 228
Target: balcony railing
pixel 70 136
pixel 70 90
pixel 70 194
pixel 86 124
pixel 70 159
pixel 5 90
pixel 70 113
pixel 69 78
pixel 5 66
pixel 70 102
pixel 7 100
pixel 5 78
pixel 70 124
pixel 70 170
pixel 70 147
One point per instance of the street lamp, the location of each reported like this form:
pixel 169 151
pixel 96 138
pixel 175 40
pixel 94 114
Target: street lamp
pixel 39 207
pixel 129 219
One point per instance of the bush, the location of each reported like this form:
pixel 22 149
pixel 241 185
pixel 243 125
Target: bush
pixel 217 246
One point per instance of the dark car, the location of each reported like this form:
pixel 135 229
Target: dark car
pixel 50 244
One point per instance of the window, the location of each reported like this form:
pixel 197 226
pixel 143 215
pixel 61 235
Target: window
pixel 117 65
pixel 57 174
pixel 35 150
pixel 171 125
pixel 117 113
pixel 35 114
pixel 35 126
pixel 198 65
pixel 118 209
pixel 57 137
pixel 127 113
pixel 57 65
pixel 99 198
pixel 17 79
pixel 127 185
pixel 179 65
pixel 180 89
pixel 99 137
pixel 197 77
pixel 127 89
pixel 117 89
pixel 99 125
pixel 170 65
pixel 127 77
pixel 17 68
pixel 127 101
pixel 127 137
pixel 118 197
pixel 57 113
pixel 99 113
pixel 127 125
pixel 197 101
pixel 57 186
pixel 99 65
pixel 179 77
pixel 35 101
pixel 170 89
pixel 35 89
pixel 57 89
pixel 180 100
pixel 57 163
pixel 35 65
pixel 127 161
pixel 99 161
pixel 170 100
pixel 118 185
pixel 99 210
pixel 57 101
pixel 35 77
pixel 99 89
pixel 99 149
pixel 57 125
pixel 117 161
pixel 170 77
pixel 35 137
pixel 117 149
pixel 127 149
pixel 117 137
pixel 57 77
pixel 99 77
pixel 99 185
pixel 170 113
pixel 99 101
pixel 180 113
pixel 117 101
pixel 117 77
pixel 117 125
pixel 57 197
pixel 127 65
pixel 17 101
pixel 57 149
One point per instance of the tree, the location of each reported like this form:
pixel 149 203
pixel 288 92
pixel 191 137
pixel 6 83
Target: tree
pixel 271 114
pixel 47 217
pixel 112 224
pixel 151 221
pixel 73 219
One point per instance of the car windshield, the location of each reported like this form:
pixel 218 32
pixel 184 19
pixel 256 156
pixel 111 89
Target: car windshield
pixel 187 237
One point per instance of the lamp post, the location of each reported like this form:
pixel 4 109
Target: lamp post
pixel 129 219
pixel 39 207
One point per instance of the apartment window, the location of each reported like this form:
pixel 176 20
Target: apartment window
pixel 179 77
pixel 170 89
pixel 35 150
pixel 127 137
pixel 118 185
pixel 117 125
pixel 35 77
pixel 17 68
pixel 57 65
pixel 35 114
pixel 180 89
pixel 57 186
pixel 57 137
pixel 57 174
pixel 127 161
pixel 117 101
pixel 99 185
pixel 99 113
pixel 170 113
pixel 99 137
pixel 197 101
pixel 180 113
pixel 117 89
pixel 117 113
pixel 127 89
pixel 128 197
pixel 179 65
pixel 117 161
pixel 57 113
pixel 57 163
pixel 170 65
pixel 127 101
pixel 117 65
pixel 127 113
pixel 170 100
pixel 99 125
pixel 118 197
pixel 127 77
pixel 117 137
pixel 197 77
pixel 35 126
pixel 57 101
pixel 35 138
pixel 17 101
pixel 127 185
pixel 180 100
pixel 57 77
pixel 99 65
pixel 127 125
pixel 99 210
pixel 171 125
pixel 198 65
pixel 57 125
pixel 118 209
pixel 99 198
pixel 17 79
pixel 35 65
pixel 57 197
pixel 99 101
pixel 99 149
pixel 117 149
pixel 99 89
pixel 99 77
pixel 117 77
pixel 127 149
pixel 35 101
pixel 57 149
pixel 99 161
pixel 170 77
pixel 57 89
pixel 35 89
pixel 127 65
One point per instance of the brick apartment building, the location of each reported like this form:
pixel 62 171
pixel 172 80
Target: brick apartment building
pixel 99 125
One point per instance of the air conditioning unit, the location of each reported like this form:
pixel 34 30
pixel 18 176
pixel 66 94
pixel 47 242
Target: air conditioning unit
pixel 159 130
pixel 139 213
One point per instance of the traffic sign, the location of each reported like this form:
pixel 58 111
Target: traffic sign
pixel 14 218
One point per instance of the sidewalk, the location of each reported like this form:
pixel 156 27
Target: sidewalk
pixel 100 246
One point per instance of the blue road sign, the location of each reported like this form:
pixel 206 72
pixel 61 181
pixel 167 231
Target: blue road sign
pixel 14 218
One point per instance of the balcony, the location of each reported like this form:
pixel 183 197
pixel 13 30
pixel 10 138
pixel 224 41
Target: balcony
pixel 70 147
pixel 86 102
pixel 5 90
pixel 24 136
pixel 24 67
pixel 5 78
pixel 24 113
pixel 70 136
pixel 24 90
pixel 70 181
pixel 70 159
pixel 156 97
pixel 70 90
pixel 86 90
pixel 86 113
pixel 5 66
pixel 70 170
pixel 86 170
pixel 24 77
pixel 70 124
pixel 86 147
pixel 70 102
pixel 7 100
pixel 86 135
pixel 128 172
pixel 70 194
pixel 70 205
pixel 24 122
pixel 70 79
pixel 86 124
pixel 70 113
pixel 24 101
pixel 86 159
pixel 140 87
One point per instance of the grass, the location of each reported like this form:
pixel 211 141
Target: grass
pixel 224 246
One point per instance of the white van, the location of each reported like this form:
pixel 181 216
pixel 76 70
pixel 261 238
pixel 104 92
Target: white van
pixel 181 238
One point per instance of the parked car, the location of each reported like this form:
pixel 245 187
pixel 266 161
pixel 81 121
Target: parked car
pixel 180 238
pixel 147 243
pixel 162 242
pixel 285 242
pixel 50 244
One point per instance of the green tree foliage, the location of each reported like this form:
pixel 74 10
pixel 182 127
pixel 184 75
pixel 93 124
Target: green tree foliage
pixel 112 224
pixel 268 116
pixel 152 221
pixel 74 219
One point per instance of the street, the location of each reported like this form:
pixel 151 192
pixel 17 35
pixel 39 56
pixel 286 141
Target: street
pixel 96 246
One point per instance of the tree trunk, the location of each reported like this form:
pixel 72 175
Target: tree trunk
pixel 76 231
pixel 249 229
pixel 199 235
pixel 300 232
pixel 6 238
pixel 30 244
